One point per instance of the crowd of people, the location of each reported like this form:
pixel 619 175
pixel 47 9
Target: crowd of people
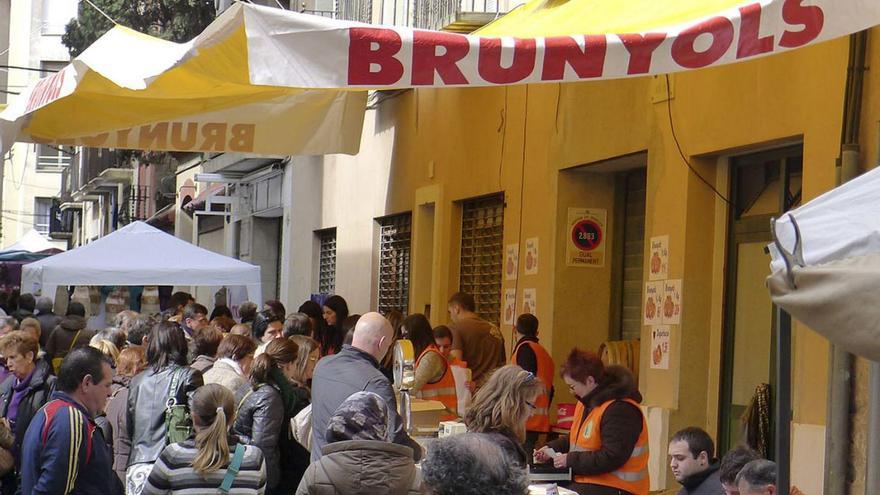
pixel 189 402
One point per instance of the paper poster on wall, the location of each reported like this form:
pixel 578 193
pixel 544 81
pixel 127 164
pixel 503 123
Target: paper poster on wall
pixel 530 301
pixel 660 347
pixel 672 302
pixel 511 261
pixel 531 256
pixel 659 265
pixel 585 245
pixel 653 298
pixel 509 306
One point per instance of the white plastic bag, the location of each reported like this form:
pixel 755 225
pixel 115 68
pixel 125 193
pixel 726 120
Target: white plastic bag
pixel 462 376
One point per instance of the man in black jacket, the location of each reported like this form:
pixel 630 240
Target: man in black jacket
pixel 356 369
pixel 23 393
pixel 691 453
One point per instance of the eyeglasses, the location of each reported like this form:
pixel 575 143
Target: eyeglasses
pixel 529 376
pixel 532 405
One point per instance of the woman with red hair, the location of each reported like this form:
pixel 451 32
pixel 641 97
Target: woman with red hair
pixel 607 448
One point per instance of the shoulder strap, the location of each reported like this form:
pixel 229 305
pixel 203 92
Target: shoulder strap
pixel 73 342
pixel 248 394
pixel 172 389
pixel 232 469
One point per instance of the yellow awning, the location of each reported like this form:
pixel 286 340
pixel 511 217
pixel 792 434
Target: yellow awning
pixel 273 82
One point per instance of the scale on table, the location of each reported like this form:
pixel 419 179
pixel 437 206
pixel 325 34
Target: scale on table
pixel 420 417
pixel 404 375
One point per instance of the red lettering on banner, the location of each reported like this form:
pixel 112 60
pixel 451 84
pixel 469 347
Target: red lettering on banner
pixel 426 60
pixel 811 17
pixel 213 135
pixel 685 54
pixel 750 43
pixel 489 64
pixel 362 56
pixel 46 91
pixel 586 63
pixel 641 49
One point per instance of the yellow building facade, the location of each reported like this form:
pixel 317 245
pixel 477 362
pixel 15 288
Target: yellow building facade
pixel 765 134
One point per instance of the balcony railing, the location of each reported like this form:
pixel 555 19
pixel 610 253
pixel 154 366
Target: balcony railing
pixel 60 222
pixel 331 14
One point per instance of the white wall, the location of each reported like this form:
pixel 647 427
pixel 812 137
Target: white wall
pixel 337 191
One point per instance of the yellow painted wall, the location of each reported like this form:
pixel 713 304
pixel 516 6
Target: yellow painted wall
pixel 454 144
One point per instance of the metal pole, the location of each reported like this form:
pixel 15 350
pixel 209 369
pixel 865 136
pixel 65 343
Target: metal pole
pixel 837 431
pixel 783 401
pixel 872 477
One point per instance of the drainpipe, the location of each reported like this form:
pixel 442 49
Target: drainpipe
pixel 837 434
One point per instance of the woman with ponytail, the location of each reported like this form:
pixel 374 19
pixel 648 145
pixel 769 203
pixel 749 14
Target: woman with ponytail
pixel 203 464
pixel 265 411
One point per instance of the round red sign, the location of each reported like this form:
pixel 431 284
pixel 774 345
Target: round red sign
pixel 586 235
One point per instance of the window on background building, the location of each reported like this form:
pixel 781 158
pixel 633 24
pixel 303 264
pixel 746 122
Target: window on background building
pixel 482 253
pixel 395 233
pixel 42 214
pixel 56 15
pixel 327 261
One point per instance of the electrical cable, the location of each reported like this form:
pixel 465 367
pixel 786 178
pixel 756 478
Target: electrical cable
pixel 32 69
pixel 681 153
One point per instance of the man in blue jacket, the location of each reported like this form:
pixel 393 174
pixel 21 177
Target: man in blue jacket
pixel 356 369
pixel 64 453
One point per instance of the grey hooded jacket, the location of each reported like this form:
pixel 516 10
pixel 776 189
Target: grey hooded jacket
pixel 362 467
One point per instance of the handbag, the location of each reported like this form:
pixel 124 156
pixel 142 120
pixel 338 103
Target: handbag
pixel 178 422
pixel 56 361
pixel 7 439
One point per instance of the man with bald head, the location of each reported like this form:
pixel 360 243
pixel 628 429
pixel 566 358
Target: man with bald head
pixel 356 369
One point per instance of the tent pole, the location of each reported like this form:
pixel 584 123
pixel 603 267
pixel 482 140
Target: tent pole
pixel 872 477
pixel 783 401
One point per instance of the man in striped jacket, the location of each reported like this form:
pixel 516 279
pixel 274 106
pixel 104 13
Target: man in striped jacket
pixel 63 452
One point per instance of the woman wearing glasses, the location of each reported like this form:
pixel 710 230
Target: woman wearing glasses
pixel 607 448
pixel 502 406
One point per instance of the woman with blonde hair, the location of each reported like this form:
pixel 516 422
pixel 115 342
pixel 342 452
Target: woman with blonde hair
pixel 107 348
pixel 502 406
pixel 306 359
pixel 212 461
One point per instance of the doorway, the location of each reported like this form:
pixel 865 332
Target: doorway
pixel 763 185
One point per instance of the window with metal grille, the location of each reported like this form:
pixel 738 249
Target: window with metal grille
pixel 327 261
pixel 482 254
pixel 395 233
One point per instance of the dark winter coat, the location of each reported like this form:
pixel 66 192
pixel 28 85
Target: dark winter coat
pixel 260 422
pixel 38 392
pixel 339 376
pixel 59 343
pixel 621 426
pixel 703 483
pixel 147 398
pixel 48 322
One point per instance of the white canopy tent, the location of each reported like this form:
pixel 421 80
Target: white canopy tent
pixel 826 264
pixel 32 242
pixel 139 254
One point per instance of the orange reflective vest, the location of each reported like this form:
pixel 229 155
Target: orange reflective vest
pixel 443 390
pixel 586 436
pixel 539 421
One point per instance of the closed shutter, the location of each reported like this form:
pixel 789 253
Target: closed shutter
pixel 482 254
pixel 633 255
pixel 395 233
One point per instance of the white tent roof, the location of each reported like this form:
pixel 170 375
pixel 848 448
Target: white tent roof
pixel 139 254
pixel 32 242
